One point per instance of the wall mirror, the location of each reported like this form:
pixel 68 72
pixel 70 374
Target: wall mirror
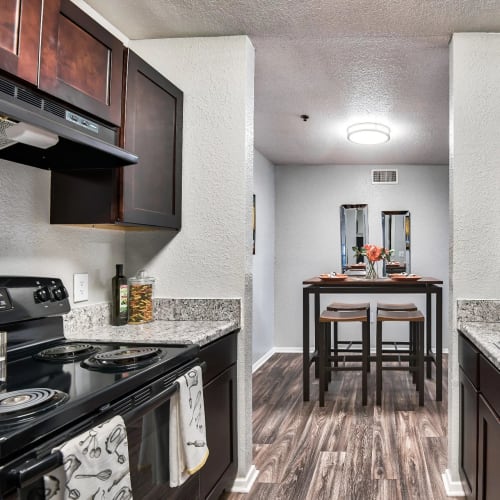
pixel 353 233
pixel 396 236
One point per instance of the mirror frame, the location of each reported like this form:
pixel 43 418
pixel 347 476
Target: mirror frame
pixel 343 237
pixel 386 223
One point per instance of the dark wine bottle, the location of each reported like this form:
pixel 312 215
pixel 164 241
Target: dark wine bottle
pixel 119 306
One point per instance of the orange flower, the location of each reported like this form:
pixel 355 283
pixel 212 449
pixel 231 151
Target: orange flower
pixel 374 253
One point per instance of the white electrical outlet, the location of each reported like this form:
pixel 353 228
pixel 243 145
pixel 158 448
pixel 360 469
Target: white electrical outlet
pixel 80 287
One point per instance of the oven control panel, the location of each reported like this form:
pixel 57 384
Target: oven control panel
pixel 24 297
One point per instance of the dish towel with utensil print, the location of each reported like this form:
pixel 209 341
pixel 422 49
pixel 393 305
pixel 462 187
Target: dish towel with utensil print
pixel 188 442
pixel 95 466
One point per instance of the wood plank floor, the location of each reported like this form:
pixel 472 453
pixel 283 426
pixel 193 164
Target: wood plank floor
pixel 345 450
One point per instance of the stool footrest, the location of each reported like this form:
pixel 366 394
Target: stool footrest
pixel 344 368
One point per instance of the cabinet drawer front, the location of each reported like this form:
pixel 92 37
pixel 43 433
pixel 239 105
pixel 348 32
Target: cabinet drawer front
pixel 219 355
pixel 490 383
pixel 468 359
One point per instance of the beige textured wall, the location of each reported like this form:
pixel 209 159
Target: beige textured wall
pixel 29 245
pixel 474 188
pixel 212 255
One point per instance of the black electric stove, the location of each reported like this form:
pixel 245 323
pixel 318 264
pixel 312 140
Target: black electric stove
pixel 57 387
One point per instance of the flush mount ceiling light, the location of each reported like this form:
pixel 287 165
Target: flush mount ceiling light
pixel 368 133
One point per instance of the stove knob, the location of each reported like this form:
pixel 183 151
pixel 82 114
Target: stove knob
pixel 59 292
pixel 42 295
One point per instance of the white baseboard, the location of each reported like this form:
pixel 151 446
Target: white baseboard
pixel 244 484
pixel 262 360
pixel 452 488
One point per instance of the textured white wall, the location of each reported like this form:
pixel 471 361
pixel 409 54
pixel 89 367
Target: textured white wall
pixel 31 246
pixel 308 200
pixel 263 260
pixel 211 256
pixel 474 184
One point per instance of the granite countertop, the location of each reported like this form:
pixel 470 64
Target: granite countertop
pixel 176 321
pixel 159 331
pixel 485 336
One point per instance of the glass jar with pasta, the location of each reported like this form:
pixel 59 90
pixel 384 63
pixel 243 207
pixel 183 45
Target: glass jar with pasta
pixel 140 298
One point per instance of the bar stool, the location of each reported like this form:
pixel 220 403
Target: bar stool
pixel 344 306
pixel 415 360
pixel 325 356
pixel 409 306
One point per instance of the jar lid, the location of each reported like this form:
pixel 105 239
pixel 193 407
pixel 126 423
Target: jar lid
pixel 141 279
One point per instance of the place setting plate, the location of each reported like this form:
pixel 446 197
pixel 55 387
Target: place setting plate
pixel 404 277
pixel 335 277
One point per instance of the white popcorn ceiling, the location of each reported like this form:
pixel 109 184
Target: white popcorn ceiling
pixel 339 62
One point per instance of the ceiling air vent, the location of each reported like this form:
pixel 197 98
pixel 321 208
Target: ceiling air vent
pixel 384 176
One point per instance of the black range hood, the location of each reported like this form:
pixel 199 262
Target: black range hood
pixel 81 142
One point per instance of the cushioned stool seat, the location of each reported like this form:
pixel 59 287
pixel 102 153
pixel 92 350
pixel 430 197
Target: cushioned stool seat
pixel 409 345
pixel 346 345
pixel 383 306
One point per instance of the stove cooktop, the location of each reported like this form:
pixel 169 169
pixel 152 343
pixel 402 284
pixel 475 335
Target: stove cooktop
pixel 71 374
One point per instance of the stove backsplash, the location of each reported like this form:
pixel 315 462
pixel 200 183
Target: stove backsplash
pixel 96 315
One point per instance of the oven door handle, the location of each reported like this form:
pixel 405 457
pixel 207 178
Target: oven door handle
pixel 36 468
pixel 156 400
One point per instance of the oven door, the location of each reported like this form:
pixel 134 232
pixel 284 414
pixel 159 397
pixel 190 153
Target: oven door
pixel 147 425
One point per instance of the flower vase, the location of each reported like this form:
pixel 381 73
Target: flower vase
pixel 371 270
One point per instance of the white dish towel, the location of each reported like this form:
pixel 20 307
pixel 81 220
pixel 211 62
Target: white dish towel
pixel 188 442
pixel 95 466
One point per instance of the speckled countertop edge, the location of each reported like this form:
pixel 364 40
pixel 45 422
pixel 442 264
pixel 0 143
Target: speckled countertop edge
pixel 479 321
pixel 176 321
pixel 159 332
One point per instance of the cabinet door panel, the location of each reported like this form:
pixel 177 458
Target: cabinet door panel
pixel 80 62
pixel 468 434
pixel 488 453
pixel 153 130
pixel 20 37
pixel 220 416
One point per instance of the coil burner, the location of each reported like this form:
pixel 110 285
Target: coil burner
pixel 17 407
pixel 123 359
pixel 67 352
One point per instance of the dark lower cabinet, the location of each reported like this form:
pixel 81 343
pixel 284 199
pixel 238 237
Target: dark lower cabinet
pixel 488 484
pixel 479 423
pixel 220 413
pixel 219 393
pixel 468 431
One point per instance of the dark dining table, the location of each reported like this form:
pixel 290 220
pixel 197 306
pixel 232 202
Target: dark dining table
pixel 431 287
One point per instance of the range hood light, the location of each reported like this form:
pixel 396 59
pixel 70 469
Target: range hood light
pixel 31 135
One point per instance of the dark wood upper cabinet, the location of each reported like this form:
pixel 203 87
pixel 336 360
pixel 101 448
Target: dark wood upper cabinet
pixel 20 22
pixel 153 130
pixel 80 62
pixel 147 194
